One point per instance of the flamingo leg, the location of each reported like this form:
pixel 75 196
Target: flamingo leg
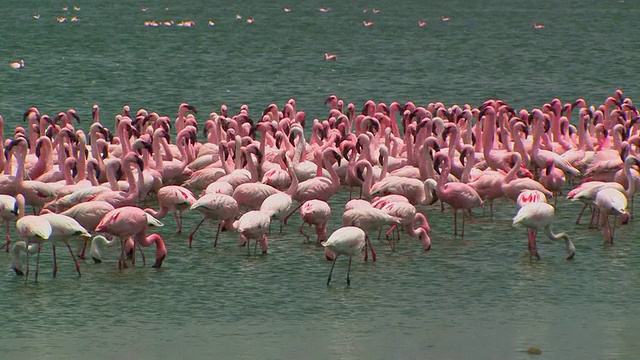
pixel 74 260
pixel 121 260
pixel 37 260
pixel 331 271
pixel 462 224
pixel 455 222
pixel 281 224
pixel 55 261
pixel 348 272
pixel 6 232
pixel 491 206
pixel 303 233
pixel 27 260
pixel 84 248
pixel 580 214
pixel 389 231
pixel 133 252
pixel 255 248
pixel 215 242
pixel 613 228
pixel 373 252
pixel 533 250
pixel 175 215
pixel 248 248
pixel 144 258
pixel 291 213
pixel 196 229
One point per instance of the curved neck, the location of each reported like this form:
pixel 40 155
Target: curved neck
pixel 513 172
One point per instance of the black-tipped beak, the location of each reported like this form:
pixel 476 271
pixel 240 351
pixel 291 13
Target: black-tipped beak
pixel 18 272
pixel 192 108
pixel 436 165
pixel 140 163
pixel 96 260
pixel 74 171
pixel 463 156
pixel 73 113
pixel 360 174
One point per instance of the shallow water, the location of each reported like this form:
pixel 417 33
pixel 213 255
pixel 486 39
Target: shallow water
pixel 475 297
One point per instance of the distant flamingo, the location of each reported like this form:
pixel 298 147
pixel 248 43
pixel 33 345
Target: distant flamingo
pixel 278 204
pixel 348 240
pixel 173 198
pixel 536 216
pixel 132 221
pixel 330 57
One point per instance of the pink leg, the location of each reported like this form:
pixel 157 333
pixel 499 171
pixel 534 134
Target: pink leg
pixel 175 215
pixel 580 214
pixel 455 222
pixel 121 260
pixel 196 229
pixel 6 232
pixel 533 250
pixel 55 261
pixel 291 213
pixel 373 252
pixel 462 224
pixel 144 258
pixel 390 230
pixel 606 231
pixel 302 232
pixel 82 252
pixel 74 260
pixel 37 260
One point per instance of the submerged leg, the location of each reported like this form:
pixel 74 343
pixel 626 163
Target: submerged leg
pixel 349 271
pixel 331 271
pixel 196 229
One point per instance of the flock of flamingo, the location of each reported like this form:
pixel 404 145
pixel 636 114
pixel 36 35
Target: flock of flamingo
pixel 396 160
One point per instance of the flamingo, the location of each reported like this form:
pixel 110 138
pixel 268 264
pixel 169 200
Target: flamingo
pixel 129 221
pixel 278 204
pixel 457 195
pixel 539 215
pixel 88 214
pixel 253 225
pixel 218 207
pixel 368 219
pixel 173 198
pixel 8 213
pixel 315 212
pixel 610 201
pixel 64 228
pixel 31 229
pixel 348 240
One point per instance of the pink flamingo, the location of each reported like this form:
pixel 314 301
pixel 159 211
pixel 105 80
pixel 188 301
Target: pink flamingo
pixel 253 225
pixel 315 212
pixel 530 196
pixel 368 219
pixel 130 221
pixel 36 193
pixel 64 229
pixel 218 207
pixel 348 240
pixel 119 198
pixel 31 229
pixel 278 204
pixel 553 179
pixel 512 186
pixel 8 213
pixel 610 201
pixel 173 198
pixel 457 195
pixel 88 214
pixel 320 188
pixel 539 215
